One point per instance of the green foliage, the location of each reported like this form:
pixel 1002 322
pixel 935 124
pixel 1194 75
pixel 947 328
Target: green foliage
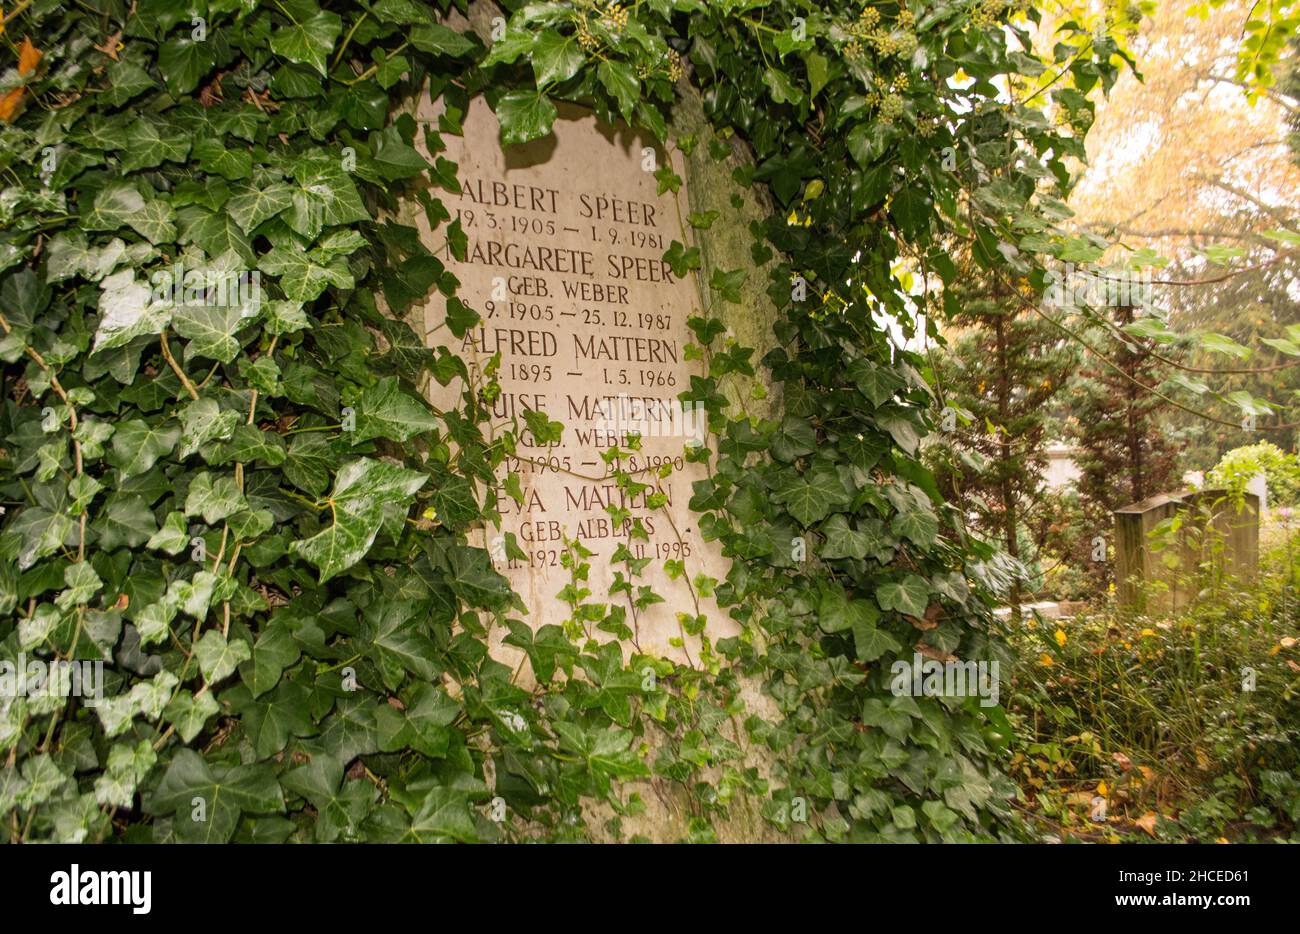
pixel 240 501
pixel 1281 472
pixel 1000 377
pixel 1188 717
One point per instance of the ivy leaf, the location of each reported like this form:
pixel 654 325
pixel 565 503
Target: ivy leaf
pixel 219 657
pixel 252 205
pixel 443 816
pixel 210 329
pixel 509 47
pixel 302 279
pixel 439 40
pixel 270 721
pixel 223 793
pixel 310 41
pixel 621 82
pixel 421 724
pixel 216 232
pixel 127 311
pixel 910 596
pixel 189 712
pixel 555 58
pixel 395 157
pixel 809 497
pixel 869 643
pixel 150 142
pixel 183 62
pixel 361 489
pixel 782 89
pixel 121 204
pixel 126 520
pixel 172 536
pixel 918 525
pixel 80 584
pixel 325 196
pixel 1220 343
pixel 474 580
pixel 274 651
pixel 69 255
pixel 212 499
pixel 340 806
pixel 217 157
pixel 137 445
pixel 795 438
pixel 842 541
pixel 308 463
pixel 126 79
pixel 397 644
pixel 41 532
pixel 385 411
pixel 875 382
pixel 524 116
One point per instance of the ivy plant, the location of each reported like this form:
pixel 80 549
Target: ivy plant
pixel 222 479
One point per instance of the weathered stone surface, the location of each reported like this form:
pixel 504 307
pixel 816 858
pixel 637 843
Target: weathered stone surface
pixel 586 324
pixel 1216 533
pixel 583 156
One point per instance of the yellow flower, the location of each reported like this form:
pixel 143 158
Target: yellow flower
pixel 1148 632
pixel 1101 789
pixel 1060 637
pixel 1046 660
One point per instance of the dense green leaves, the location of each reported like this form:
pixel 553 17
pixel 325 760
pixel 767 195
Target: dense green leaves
pixel 247 508
pixel 362 489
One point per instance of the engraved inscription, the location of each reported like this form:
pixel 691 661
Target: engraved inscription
pixel 564 262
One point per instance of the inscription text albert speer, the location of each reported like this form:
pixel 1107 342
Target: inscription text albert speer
pixel 565 266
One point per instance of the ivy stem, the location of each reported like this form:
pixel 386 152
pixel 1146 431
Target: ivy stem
pixel 338 57
pixel 176 367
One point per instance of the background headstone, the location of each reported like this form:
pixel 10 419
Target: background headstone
pixel 1215 534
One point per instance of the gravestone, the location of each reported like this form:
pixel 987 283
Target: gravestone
pixel 1215 531
pixel 586 195
pixel 588 323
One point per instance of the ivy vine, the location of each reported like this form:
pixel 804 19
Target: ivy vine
pixel 246 508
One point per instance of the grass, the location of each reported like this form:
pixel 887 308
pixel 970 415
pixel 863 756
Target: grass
pixel 1174 727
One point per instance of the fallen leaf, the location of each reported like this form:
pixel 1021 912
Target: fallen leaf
pixel 1147 822
pixel 1123 761
pixel 9 104
pixel 111 45
pixel 1101 789
pixel 28 57
pixel 930 651
pixel 931 618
